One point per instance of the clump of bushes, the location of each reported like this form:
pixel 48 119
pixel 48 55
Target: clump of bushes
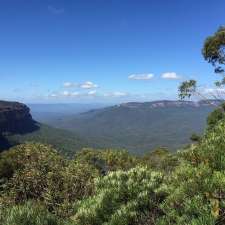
pixel 29 214
pixel 108 160
pixel 38 186
pixel 37 172
pixel 121 197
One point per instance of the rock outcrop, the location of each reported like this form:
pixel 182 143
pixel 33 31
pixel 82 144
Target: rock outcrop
pixel 168 103
pixel 15 118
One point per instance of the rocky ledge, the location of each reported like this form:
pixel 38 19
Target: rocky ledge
pixel 15 117
pixel 168 103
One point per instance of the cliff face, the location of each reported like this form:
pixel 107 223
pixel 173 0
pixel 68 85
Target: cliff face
pixel 167 104
pixel 15 118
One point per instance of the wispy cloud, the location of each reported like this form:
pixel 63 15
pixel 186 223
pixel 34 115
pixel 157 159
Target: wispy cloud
pixel 214 90
pixel 88 85
pixel 69 85
pixel 85 85
pixel 170 76
pixel 70 94
pixel 144 76
pixel 53 95
pixel 115 94
pixel 55 10
pixel 92 93
pixel 66 93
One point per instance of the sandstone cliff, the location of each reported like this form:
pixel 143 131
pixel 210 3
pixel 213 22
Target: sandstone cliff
pixel 15 118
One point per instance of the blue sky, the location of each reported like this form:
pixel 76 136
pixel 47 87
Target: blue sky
pixel 103 50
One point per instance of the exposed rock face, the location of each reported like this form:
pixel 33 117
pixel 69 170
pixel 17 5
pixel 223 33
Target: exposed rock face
pixel 167 103
pixel 15 118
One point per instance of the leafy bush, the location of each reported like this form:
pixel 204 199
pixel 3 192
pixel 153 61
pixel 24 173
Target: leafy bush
pixel 216 116
pixel 190 193
pixel 195 137
pixel 108 160
pixel 73 183
pixel 29 214
pixel 29 154
pixel 160 159
pixel 38 172
pixel 121 198
pixel 196 193
pixel 29 166
pixel 210 150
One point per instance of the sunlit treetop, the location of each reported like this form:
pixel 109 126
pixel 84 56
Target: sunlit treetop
pixel 214 50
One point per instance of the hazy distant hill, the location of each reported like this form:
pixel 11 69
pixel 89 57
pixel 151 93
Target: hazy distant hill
pixel 17 126
pixel 140 127
pixel 51 113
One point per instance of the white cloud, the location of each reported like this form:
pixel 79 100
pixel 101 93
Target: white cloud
pixel 170 76
pixel 92 92
pixel 70 94
pixel 69 85
pixel 115 94
pixel 85 85
pixel 214 90
pixel 144 76
pixel 119 94
pixel 66 93
pixel 75 93
pixel 53 95
pixel 88 85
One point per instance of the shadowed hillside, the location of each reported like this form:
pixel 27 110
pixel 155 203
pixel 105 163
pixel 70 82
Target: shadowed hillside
pixel 17 126
pixel 140 127
pixel 15 118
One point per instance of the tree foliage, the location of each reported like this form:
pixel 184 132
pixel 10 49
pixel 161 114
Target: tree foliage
pixel 29 214
pixel 187 89
pixel 121 197
pixel 107 160
pixel 214 50
pixel 216 116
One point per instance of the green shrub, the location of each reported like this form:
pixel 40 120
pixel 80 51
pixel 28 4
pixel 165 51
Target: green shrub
pixel 216 116
pixel 160 159
pixel 29 214
pixel 29 167
pixel 196 193
pixel 121 198
pixel 108 160
pixel 192 196
pixel 211 149
pixel 73 183
pixel 195 137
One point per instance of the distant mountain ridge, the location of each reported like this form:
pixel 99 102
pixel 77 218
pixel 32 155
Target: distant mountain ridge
pixel 136 126
pixel 142 126
pixel 171 103
pixel 160 104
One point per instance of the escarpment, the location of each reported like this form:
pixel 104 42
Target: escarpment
pixel 15 117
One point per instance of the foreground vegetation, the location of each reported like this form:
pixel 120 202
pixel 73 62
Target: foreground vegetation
pixel 40 187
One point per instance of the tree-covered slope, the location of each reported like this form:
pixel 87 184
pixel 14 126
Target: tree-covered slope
pixel 65 142
pixel 140 127
pixel 17 126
